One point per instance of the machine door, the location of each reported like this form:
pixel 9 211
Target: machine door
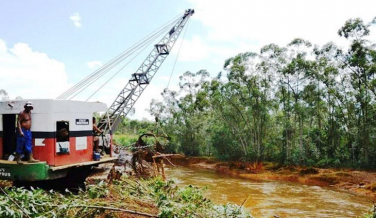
pixel 62 137
pixel 9 135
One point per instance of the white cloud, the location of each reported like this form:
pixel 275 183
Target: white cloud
pixel 193 49
pixel 30 74
pixel 243 25
pixel 76 19
pixel 94 64
pixel 198 48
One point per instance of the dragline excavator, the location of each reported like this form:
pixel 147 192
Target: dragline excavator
pixel 141 79
pixel 128 96
pixel 62 129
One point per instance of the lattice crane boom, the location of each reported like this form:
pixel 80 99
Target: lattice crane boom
pixel 129 95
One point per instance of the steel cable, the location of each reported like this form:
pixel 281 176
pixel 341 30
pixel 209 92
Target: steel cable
pixel 98 73
pixel 88 83
pixel 173 68
pixel 105 68
pixel 116 73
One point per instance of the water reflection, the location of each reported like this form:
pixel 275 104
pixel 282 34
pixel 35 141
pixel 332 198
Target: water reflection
pixel 271 198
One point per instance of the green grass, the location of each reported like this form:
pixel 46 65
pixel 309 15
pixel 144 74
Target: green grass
pixel 125 140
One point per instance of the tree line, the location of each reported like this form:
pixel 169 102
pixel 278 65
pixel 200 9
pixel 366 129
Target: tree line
pixel 298 104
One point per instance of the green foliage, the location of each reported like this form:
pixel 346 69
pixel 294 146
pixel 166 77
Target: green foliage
pixel 171 201
pixel 354 28
pixel 39 203
pixel 298 104
pixel 125 140
pixel 135 127
pixel 98 191
pixel 189 202
pixel 226 148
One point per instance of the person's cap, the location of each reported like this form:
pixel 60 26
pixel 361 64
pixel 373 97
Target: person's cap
pixel 29 104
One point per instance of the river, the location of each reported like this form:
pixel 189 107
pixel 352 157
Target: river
pixel 272 198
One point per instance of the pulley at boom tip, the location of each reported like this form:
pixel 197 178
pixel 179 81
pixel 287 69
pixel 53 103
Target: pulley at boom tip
pixel 189 12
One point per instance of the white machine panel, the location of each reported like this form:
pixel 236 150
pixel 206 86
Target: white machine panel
pixel 81 143
pixel 39 142
pixel 42 122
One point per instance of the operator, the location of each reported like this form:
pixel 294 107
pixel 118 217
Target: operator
pixel 96 130
pixel 24 138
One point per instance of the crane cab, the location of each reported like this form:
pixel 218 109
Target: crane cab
pixel 62 132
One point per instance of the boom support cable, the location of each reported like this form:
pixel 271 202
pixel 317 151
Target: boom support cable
pixel 99 73
pixel 104 69
pixel 139 81
pixel 139 47
pixel 117 72
pixel 111 64
pixel 177 56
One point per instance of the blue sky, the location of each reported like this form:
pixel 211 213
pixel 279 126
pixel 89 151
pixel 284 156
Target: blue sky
pixel 47 46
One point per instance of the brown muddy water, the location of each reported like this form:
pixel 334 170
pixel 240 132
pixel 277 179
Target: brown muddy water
pixel 272 198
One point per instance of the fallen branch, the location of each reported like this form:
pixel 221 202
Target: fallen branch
pixel 169 161
pixel 245 201
pixel 164 156
pixel 167 155
pixel 22 210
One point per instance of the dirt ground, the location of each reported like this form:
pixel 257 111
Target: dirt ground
pixel 355 181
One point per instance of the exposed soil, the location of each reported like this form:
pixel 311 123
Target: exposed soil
pixel 355 181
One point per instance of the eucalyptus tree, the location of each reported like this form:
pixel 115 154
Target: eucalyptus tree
pixel 231 101
pixel 293 104
pixel 229 135
pixel 248 94
pixel 296 72
pixel 359 61
pixel 273 61
pixel 326 77
pixel 183 114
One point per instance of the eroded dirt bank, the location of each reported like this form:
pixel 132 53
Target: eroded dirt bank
pixel 355 181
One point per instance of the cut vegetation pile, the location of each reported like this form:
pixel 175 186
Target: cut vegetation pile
pixel 127 197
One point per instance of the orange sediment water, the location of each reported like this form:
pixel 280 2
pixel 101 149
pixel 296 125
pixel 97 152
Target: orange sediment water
pixel 269 198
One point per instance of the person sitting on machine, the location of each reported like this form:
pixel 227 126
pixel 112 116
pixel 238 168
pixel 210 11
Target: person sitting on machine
pixel 24 138
pixel 96 133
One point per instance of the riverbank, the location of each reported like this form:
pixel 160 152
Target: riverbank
pixel 355 181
